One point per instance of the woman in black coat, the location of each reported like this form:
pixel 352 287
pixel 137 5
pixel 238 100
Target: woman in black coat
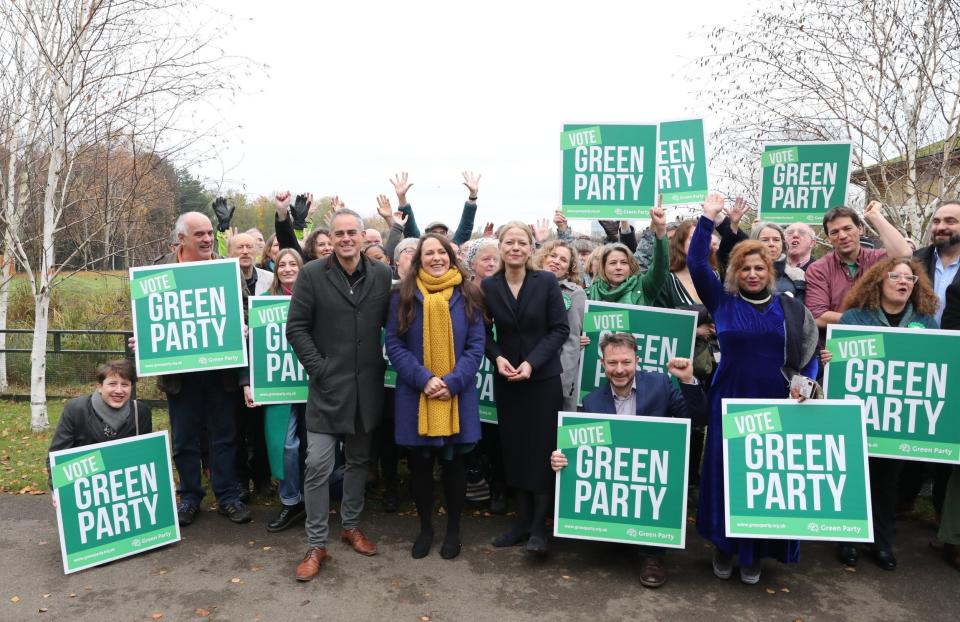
pixel 529 328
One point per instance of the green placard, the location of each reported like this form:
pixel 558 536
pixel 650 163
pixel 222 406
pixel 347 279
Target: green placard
pixel 801 181
pixel 610 178
pixel 910 389
pixel 859 347
pixel 488 406
pixel 114 499
pixel 632 490
pixel 682 162
pixel 807 481
pixel 187 317
pixel 276 376
pixel 661 334
pixel 760 421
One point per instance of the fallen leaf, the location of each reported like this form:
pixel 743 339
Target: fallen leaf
pixel 252 542
pixel 267 548
pixel 200 611
pixel 785 589
pixel 565 577
pixel 42 610
pixel 42 542
pixel 769 591
pixel 162 571
pixel 46 596
pixel 255 568
pixel 156 615
pixel 73 595
pixel 236 580
pixel 849 568
pixel 88 587
pixel 15 600
pixel 424 618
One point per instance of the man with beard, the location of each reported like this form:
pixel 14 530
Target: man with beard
pixel 942 261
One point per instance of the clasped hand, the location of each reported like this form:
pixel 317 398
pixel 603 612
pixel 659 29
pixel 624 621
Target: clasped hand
pixel 436 389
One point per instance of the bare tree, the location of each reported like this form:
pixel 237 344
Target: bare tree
pixel 115 72
pixel 883 74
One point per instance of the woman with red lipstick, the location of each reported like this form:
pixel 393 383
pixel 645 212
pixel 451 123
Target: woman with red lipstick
pixel 766 339
pixel 896 293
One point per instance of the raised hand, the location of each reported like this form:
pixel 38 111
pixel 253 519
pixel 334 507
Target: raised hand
pixel 610 227
pixel 541 230
pixel 658 218
pixel 400 218
pixel 488 230
pixel 223 213
pixel 713 206
pixel 560 220
pixel 873 210
pixel 472 181
pixel 384 209
pixel 300 209
pixel 736 212
pixel 282 202
pixel 312 206
pixel 681 369
pixel 401 185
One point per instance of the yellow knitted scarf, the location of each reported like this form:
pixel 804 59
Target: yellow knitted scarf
pixel 438 417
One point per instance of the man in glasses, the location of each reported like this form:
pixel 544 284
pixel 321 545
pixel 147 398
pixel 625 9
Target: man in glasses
pixel 800 241
pixel 337 311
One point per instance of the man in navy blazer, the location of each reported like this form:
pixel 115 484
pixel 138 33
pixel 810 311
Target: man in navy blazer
pixel 629 392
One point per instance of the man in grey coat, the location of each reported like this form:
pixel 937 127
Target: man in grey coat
pixel 337 311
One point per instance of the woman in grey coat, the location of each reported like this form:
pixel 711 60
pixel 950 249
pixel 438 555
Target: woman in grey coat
pixel 560 258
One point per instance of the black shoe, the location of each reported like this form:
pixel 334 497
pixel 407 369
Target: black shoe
pixel 289 514
pixel 537 545
pixel 237 512
pixel 243 493
pixel 511 538
pixel 186 513
pixel 391 499
pixel 451 547
pixel 498 503
pixel 847 554
pixel 884 558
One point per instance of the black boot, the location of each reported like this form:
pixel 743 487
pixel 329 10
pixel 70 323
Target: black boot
pixel 289 514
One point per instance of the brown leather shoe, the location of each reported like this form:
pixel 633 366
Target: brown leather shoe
pixel 652 572
pixel 355 538
pixel 952 554
pixel 310 566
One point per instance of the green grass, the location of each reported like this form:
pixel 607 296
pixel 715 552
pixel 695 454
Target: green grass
pixel 23 453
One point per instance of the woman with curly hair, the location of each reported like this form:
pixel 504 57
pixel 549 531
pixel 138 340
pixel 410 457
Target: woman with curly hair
pixel 895 292
pixel 559 257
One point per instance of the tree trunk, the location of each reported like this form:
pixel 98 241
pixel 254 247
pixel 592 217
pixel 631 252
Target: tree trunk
pixel 38 359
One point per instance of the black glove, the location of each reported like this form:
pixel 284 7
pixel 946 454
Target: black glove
pixel 300 209
pixel 223 213
pixel 612 228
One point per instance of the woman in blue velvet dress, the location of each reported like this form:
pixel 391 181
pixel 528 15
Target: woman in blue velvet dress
pixel 765 339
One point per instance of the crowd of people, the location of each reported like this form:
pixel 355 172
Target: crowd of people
pixel 439 303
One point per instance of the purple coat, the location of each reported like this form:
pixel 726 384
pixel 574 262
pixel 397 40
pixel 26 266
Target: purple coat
pixel 406 356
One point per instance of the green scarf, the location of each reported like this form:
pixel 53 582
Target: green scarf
pixel 630 292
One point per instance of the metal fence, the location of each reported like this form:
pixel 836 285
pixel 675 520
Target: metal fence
pixel 72 357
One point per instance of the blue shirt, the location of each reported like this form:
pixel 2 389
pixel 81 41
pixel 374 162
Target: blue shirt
pixel 943 277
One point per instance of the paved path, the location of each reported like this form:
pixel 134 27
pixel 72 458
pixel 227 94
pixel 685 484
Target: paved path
pixel 244 573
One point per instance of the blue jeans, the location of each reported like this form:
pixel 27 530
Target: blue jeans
pixel 204 403
pixel 290 486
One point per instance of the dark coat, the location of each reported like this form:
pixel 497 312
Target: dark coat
pixel 531 328
pixel 406 354
pixel 80 426
pixel 951 303
pixel 656 397
pixel 336 337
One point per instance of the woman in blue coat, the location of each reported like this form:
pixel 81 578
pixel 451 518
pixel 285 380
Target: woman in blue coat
pixel 765 339
pixel 435 339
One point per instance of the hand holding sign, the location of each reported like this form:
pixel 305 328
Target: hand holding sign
pixel 558 461
pixel 560 220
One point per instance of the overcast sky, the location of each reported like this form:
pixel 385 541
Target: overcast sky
pixel 355 91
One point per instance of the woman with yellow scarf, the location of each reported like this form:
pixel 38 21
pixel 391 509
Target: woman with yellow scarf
pixel 435 340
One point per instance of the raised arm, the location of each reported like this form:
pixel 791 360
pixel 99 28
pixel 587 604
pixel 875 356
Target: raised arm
pixel 708 284
pixel 283 225
pixel 893 241
pixel 653 279
pixel 465 228
pixel 401 185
